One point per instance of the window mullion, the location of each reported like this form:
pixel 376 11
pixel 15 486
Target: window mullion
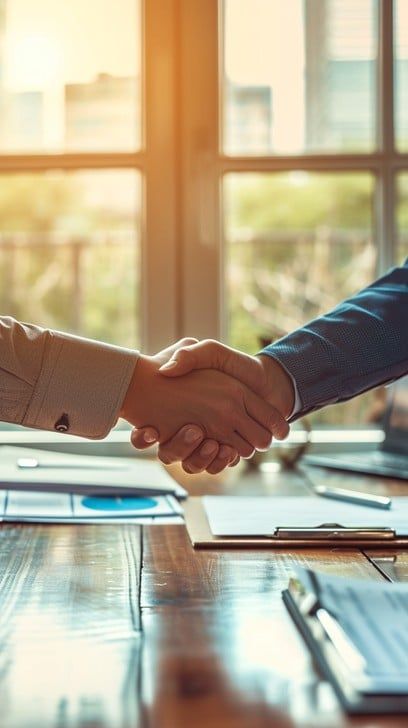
pixel 201 252
pixel 160 288
pixel 385 197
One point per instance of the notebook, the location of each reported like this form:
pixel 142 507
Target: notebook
pixel 391 457
pixel 356 630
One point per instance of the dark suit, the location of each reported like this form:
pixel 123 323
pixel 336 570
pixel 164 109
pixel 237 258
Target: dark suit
pixel 360 344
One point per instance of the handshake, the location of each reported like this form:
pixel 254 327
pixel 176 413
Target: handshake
pixel 207 405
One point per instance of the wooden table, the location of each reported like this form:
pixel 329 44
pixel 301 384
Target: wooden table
pixel 109 626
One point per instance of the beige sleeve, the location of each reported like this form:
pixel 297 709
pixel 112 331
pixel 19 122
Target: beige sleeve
pixel 54 381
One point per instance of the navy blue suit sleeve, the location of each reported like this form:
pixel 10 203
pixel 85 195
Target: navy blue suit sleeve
pixel 360 344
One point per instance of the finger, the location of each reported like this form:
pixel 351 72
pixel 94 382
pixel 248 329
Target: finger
pixel 269 417
pixel 244 448
pixel 202 457
pixel 252 432
pixel 226 455
pixel 181 445
pixel 235 462
pixel 205 354
pixel 185 342
pixel 143 437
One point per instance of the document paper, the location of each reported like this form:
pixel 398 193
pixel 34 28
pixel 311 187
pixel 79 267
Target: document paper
pixel 375 617
pixel 36 507
pixel 262 515
pixel 63 472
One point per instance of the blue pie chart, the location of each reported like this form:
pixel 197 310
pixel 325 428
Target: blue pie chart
pixel 112 503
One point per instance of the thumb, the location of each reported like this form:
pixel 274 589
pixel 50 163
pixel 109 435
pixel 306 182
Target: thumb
pixel 209 354
pixel 201 355
pixel 144 437
pixel 181 343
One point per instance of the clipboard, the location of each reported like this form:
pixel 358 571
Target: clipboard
pixel 336 655
pixel 201 537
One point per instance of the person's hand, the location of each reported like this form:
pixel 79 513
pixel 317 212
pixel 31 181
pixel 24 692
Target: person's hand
pixel 209 454
pixel 261 373
pixel 189 446
pixel 227 411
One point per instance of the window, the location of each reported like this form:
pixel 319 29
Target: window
pixel 310 155
pixel 224 168
pixel 299 80
pixel 70 190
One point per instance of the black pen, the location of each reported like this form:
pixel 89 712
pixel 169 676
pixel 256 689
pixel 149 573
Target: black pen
pixel 353 496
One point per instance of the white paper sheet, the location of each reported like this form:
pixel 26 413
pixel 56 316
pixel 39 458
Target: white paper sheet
pixel 36 507
pixel 261 515
pixel 64 472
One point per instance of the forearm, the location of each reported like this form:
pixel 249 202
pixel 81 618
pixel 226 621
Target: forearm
pixel 48 375
pixel 361 344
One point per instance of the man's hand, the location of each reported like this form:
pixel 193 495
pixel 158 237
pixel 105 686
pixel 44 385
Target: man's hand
pixel 226 410
pixel 262 373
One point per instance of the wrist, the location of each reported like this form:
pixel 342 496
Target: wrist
pixel 134 407
pixel 281 392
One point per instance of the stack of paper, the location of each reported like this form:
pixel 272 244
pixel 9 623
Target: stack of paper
pixel 356 630
pixel 52 487
pixel 30 469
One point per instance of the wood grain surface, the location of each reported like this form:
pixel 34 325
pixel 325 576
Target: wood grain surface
pixel 70 636
pixel 100 629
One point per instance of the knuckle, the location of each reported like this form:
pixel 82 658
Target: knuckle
pixel 215 468
pixel 247 451
pixel 264 441
pixel 236 389
pixel 187 341
pixel 181 352
pixel 192 467
pixel 169 455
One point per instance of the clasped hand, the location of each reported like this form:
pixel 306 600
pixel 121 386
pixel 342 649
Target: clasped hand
pixel 207 405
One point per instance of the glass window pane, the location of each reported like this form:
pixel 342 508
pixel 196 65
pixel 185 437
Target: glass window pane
pixel 296 244
pixel 69 252
pixel 402 187
pixel 299 76
pixel 401 74
pixel 69 75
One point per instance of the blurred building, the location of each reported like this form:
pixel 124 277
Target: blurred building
pixel 102 114
pixel 23 120
pixel 249 118
pixel 341 77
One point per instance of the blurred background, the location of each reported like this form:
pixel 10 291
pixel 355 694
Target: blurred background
pixel 228 169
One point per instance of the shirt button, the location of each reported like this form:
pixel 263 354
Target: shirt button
pixel 62 425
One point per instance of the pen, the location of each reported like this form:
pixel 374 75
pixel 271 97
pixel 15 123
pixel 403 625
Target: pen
pixel 353 496
pixel 32 463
